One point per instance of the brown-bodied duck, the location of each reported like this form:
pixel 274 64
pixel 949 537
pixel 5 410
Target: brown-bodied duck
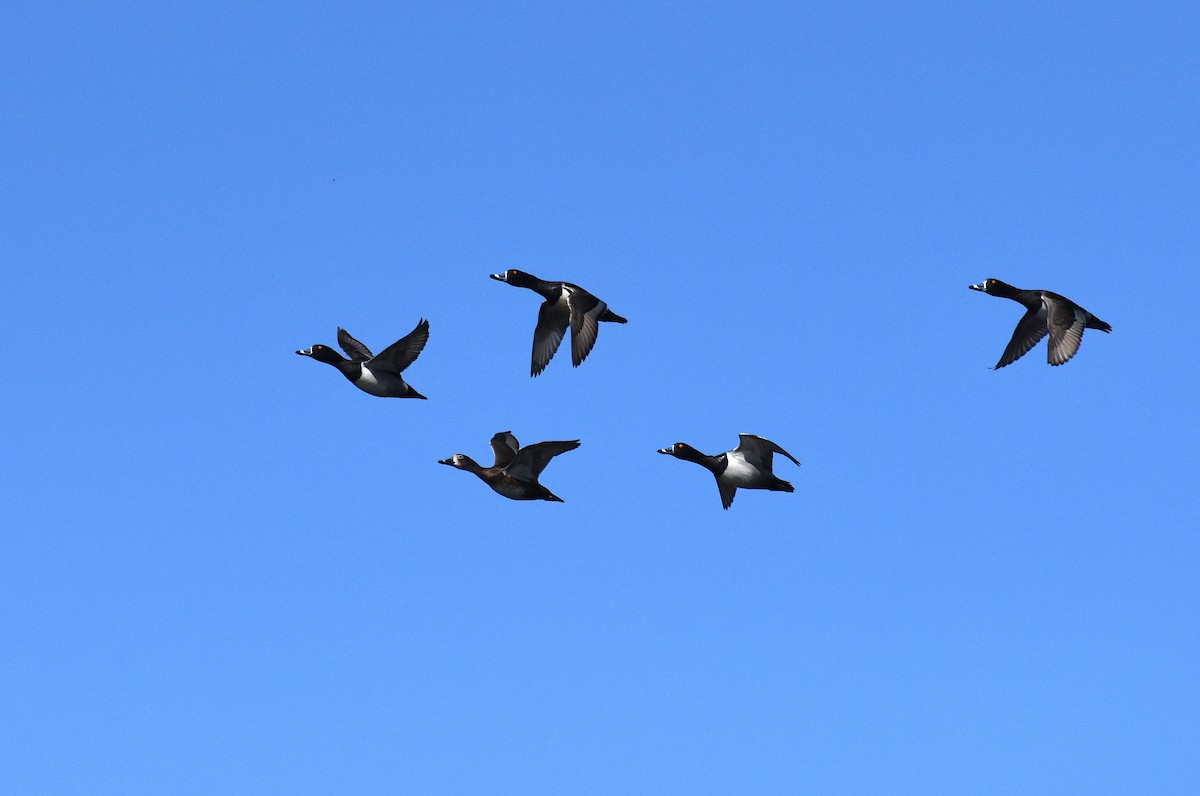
pixel 515 470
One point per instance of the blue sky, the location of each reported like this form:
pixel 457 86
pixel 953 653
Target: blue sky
pixel 226 570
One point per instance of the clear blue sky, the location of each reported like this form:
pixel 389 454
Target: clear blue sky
pixel 226 570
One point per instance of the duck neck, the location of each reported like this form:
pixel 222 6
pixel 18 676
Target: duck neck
pixel 547 290
pixel 471 466
pixel 350 369
pixel 711 463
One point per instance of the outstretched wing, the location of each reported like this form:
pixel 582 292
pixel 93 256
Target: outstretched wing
pixel 402 353
pixel 1066 322
pixel 354 349
pixel 551 326
pixel 505 446
pixel 1030 329
pixel 758 451
pixel 586 310
pixel 727 493
pixel 529 462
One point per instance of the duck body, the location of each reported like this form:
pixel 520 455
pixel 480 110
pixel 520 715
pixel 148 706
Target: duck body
pixel 748 466
pixel 514 473
pixel 565 304
pixel 1046 313
pixel 375 374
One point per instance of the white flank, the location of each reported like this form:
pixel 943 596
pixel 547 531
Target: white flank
pixel 739 472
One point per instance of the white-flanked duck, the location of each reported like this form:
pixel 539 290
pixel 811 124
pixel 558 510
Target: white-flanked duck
pixel 377 374
pixel 1045 313
pixel 565 305
pixel 515 471
pixel 747 466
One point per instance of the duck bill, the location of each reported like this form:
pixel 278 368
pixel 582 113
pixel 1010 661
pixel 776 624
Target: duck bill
pixel 449 461
pixel 667 451
pixel 305 352
pixel 977 287
pixel 499 277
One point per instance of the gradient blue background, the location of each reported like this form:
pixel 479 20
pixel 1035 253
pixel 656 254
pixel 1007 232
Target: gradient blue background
pixel 226 570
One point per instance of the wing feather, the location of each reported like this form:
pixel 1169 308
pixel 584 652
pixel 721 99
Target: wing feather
pixel 1066 323
pixel 505 446
pixel 354 349
pixel 529 462
pixel 551 326
pixel 586 310
pixel 1030 329
pixel 727 493
pixel 758 451
pixel 402 353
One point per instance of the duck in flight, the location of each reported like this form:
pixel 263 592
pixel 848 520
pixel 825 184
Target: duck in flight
pixel 377 374
pixel 747 466
pixel 565 305
pixel 1046 313
pixel 515 470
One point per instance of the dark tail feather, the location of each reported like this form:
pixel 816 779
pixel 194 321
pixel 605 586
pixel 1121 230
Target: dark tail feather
pixel 1096 323
pixel 609 315
pixel 781 486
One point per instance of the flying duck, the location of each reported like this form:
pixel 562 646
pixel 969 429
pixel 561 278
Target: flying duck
pixel 1045 313
pixel 747 466
pixel 377 374
pixel 565 304
pixel 514 473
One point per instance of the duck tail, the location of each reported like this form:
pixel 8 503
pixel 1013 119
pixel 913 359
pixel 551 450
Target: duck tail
pixel 781 486
pixel 1096 323
pixel 613 317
